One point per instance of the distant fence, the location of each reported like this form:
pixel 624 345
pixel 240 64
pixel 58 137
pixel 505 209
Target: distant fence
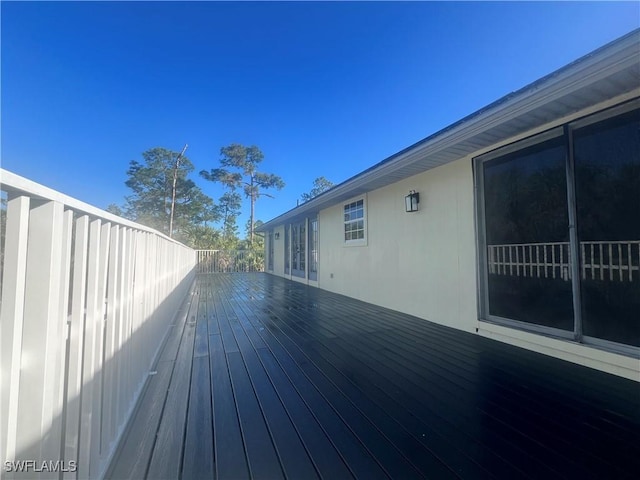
pixel 611 261
pixel 229 261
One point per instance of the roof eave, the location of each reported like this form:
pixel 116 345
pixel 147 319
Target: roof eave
pixel 584 73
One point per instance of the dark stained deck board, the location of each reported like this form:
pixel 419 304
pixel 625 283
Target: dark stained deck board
pixel 450 338
pixel 504 378
pixel 289 449
pixel 350 405
pixel 394 373
pixel 285 380
pixel 261 453
pixel 329 462
pixel 131 460
pixel 390 351
pixel 166 460
pixel 353 418
pixel 358 459
pixel 377 404
pixel 230 456
pixel 454 350
pixel 198 459
pixel 294 458
pixel 440 440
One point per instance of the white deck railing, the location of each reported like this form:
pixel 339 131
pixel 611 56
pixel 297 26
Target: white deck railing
pixel 610 261
pixel 229 261
pixel 87 299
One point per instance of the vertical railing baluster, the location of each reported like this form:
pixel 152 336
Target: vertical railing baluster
pixel 11 317
pixel 620 260
pixel 62 333
pixel 40 340
pixel 76 341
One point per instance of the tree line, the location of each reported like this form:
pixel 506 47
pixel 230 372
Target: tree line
pixel 163 196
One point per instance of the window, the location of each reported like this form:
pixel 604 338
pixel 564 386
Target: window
pixel 539 273
pixel 354 222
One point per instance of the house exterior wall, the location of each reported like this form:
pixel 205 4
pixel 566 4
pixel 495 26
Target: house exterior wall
pixel 421 263
pixel 425 263
pixel 278 250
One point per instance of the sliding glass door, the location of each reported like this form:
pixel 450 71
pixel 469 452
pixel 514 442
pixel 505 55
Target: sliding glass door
pixel 559 235
pixel 607 174
pixel 527 235
pixel 313 248
pixel 298 241
pixel 287 250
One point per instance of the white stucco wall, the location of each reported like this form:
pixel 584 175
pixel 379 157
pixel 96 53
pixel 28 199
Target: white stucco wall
pixel 421 263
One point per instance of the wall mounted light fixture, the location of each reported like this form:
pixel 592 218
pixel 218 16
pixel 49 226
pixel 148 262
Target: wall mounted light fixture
pixel 277 235
pixel 411 201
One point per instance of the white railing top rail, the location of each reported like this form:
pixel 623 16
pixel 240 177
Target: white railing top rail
pixel 13 183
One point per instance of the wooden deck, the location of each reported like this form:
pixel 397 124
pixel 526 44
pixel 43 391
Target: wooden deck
pixel 262 377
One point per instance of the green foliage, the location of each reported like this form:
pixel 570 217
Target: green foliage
pixel 253 251
pixel 229 207
pixel 151 182
pixel 239 169
pixel 258 239
pixel 202 237
pixel 320 184
pixel 115 209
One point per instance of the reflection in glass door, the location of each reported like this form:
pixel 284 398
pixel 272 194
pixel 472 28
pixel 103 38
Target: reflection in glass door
pixel 607 165
pixel 527 235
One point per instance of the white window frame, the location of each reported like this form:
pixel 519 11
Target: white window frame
pixel 358 242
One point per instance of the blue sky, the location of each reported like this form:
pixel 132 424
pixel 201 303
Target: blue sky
pixel 323 88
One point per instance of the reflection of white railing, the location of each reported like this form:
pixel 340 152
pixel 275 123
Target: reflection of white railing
pixel 615 260
pixel 87 298
pixel 229 261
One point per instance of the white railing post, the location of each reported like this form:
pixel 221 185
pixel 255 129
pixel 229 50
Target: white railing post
pixel 40 341
pixel 11 318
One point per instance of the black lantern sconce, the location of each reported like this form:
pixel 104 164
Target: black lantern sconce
pixel 277 235
pixel 411 201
